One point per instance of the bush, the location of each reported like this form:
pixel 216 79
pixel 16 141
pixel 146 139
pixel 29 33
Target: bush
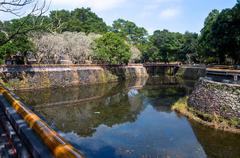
pixel 20 46
pixel 111 49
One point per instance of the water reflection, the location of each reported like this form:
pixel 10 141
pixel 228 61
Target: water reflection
pixel 217 144
pixel 129 119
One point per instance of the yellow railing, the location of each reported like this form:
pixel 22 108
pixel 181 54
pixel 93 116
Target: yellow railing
pixel 57 145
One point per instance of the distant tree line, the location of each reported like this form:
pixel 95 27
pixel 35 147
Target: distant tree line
pixel 81 36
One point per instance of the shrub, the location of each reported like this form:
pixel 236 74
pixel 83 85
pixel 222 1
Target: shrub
pixel 111 49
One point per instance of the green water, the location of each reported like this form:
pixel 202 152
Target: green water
pixel 132 119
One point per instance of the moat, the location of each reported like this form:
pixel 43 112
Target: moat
pixel 130 119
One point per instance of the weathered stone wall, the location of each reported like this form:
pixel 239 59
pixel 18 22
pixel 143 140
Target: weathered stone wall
pixel 191 72
pixel 31 77
pixel 217 98
pixel 160 70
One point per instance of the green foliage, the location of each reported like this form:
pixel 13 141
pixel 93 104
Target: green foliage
pixel 226 34
pixel 189 50
pixel 2 37
pixel 130 31
pixel 112 49
pixel 7 49
pixel 165 45
pixel 220 37
pixel 19 45
pixel 14 36
pixel 78 20
pixel 206 38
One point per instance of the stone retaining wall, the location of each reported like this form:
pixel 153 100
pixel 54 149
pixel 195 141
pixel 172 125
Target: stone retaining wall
pixel 31 77
pixel 217 98
pixel 191 72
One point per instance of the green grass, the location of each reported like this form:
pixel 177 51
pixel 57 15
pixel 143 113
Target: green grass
pixel 211 120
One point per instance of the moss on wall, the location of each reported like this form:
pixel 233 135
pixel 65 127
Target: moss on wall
pixel 215 98
pixel 33 77
pixel 211 120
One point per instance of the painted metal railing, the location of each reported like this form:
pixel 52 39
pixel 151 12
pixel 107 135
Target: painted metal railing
pixel 57 145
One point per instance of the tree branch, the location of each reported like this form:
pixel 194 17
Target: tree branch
pixel 37 11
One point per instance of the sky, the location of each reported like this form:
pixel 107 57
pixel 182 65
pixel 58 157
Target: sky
pixel 174 15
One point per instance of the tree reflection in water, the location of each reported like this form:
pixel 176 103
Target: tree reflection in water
pixel 217 144
pixel 129 119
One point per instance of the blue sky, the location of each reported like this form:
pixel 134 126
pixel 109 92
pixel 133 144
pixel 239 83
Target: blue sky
pixel 174 15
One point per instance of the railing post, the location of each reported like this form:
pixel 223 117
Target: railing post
pixel 235 78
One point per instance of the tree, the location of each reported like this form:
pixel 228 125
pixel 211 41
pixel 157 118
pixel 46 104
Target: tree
pixel 130 31
pixel 189 49
pixel 112 49
pixel 220 37
pixel 20 45
pixel 168 44
pixel 52 48
pixel 151 53
pixel 18 8
pixel 208 53
pixel 78 20
pixel 136 54
pixel 226 34
pixel 16 33
pixel 59 20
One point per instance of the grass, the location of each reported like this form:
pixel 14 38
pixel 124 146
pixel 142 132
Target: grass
pixel 213 121
pixel 181 105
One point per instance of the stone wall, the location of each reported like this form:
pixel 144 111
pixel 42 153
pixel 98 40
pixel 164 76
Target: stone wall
pixel 217 98
pixel 33 77
pixel 191 72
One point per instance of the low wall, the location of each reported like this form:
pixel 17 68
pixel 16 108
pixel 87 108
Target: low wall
pixel 191 72
pixel 31 77
pixel 217 98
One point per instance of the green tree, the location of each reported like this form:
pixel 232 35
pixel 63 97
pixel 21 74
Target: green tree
pixel 14 36
pixel 220 37
pixel 226 34
pixel 59 20
pixel 20 45
pixel 130 31
pixel 168 44
pixel 78 20
pixel 112 49
pixel 21 8
pixel 189 49
pixel 151 54
pixel 207 52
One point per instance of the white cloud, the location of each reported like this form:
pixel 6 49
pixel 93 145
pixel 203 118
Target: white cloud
pixel 170 13
pixel 97 5
pixel 154 6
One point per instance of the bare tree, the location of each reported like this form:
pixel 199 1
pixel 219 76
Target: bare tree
pixel 73 46
pixel 54 47
pixel 19 8
pixel 136 54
